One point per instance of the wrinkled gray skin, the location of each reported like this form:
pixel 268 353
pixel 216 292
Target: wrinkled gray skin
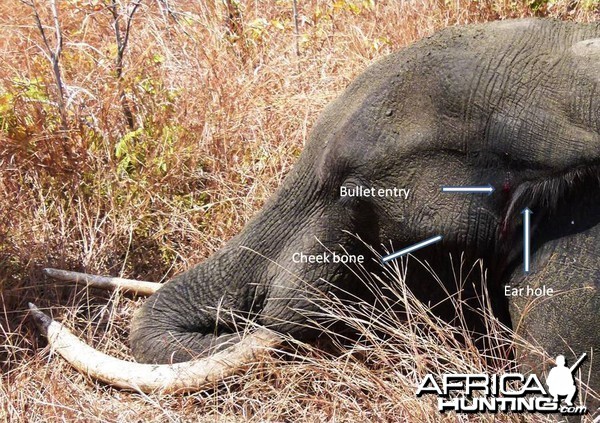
pixel 515 104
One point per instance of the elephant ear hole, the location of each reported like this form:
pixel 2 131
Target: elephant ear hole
pixel 549 198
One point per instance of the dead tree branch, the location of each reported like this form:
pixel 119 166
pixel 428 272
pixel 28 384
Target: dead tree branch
pixel 122 38
pixel 53 54
pixel 296 31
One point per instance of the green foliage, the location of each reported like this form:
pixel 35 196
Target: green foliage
pixel 167 140
pixel 31 89
pixel 22 105
pixel 590 5
pixel 257 28
pixel 6 110
pixel 538 5
pixel 542 7
pixel 131 154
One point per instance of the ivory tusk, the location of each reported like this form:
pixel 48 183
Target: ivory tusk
pixel 188 376
pixel 105 282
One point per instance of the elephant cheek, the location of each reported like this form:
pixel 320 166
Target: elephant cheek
pixel 296 305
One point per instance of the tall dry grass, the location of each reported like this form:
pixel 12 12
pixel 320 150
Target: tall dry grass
pixel 221 103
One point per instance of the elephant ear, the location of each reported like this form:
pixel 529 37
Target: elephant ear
pixel 561 205
pixel 547 196
pixel 562 177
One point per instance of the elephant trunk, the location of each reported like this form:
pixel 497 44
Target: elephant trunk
pixel 201 311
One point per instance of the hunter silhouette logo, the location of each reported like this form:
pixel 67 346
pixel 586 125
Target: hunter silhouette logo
pixel 509 392
pixel 560 380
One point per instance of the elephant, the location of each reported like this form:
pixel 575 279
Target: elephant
pixel 513 104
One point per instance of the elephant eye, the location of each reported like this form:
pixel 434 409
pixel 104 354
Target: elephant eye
pixel 353 194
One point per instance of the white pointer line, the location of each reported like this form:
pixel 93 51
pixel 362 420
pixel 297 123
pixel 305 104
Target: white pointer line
pixel 526 245
pixel 412 248
pixel 488 189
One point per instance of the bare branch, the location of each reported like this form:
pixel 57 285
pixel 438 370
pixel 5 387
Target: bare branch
pixel 53 54
pixel 296 32
pixel 57 31
pixel 122 42
pixel 135 7
pixel 40 27
pixel 117 28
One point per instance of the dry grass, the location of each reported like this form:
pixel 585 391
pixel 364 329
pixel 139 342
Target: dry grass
pixel 221 110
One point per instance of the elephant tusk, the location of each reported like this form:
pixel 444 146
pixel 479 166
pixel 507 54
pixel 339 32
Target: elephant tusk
pixel 188 376
pixel 106 282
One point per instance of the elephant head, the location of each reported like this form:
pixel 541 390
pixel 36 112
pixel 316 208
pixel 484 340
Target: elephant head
pixel 513 104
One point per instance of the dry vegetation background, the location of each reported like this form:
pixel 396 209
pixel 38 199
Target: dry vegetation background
pixel 142 167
